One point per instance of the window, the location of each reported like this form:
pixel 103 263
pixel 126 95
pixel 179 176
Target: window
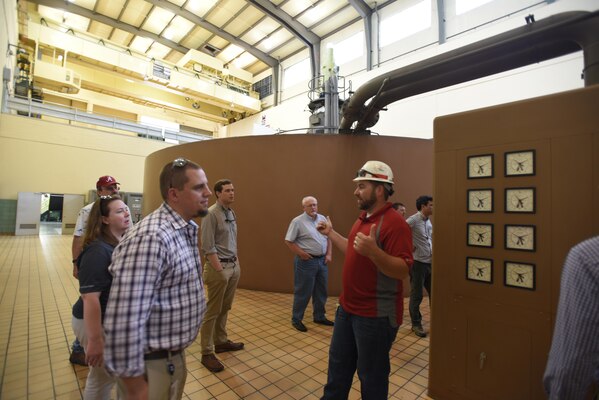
pixel 263 87
pixel 349 49
pixel 300 72
pixel 463 6
pixel 405 23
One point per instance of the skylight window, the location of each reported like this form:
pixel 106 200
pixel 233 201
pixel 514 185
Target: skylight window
pixel 406 23
pixel 349 49
pixel 463 6
pixel 297 73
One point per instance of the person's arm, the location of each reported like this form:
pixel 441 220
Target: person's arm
pixel 92 319
pixel 575 345
pixel 297 250
pixel 136 265
pixel 329 254
pixel 214 261
pixel 393 267
pixel 76 248
pixel 326 228
pixel 208 241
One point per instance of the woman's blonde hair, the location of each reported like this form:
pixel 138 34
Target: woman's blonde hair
pixel 95 228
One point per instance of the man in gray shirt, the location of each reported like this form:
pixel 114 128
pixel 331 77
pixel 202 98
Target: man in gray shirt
pixel 312 252
pixel 422 238
pixel 221 274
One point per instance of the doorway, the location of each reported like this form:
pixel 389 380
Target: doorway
pixel 47 213
pixel 51 214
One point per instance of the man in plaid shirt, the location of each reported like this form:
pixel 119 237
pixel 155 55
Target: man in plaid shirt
pixel 157 303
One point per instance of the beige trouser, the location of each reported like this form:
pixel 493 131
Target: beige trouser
pixel 161 384
pixel 221 287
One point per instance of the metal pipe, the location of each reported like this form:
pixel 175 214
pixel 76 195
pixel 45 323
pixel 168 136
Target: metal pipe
pixel 551 37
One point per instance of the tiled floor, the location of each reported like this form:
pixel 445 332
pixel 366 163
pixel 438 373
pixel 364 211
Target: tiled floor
pixel 36 293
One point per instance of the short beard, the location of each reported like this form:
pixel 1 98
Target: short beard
pixel 202 213
pixel 367 204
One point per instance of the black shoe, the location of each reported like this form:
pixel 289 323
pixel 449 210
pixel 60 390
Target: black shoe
pixel 78 357
pixel 324 322
pixel 299 326
pixel 418 331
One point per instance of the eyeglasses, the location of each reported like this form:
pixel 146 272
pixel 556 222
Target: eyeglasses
pixel 180 162
pixel 363 173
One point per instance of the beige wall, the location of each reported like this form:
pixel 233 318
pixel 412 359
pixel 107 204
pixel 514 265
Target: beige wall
pixel 37 156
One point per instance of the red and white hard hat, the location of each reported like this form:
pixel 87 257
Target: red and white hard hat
pixel 375 171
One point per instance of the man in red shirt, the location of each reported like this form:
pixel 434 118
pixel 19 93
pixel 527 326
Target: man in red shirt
pixel 378 256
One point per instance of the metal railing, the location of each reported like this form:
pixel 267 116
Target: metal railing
pixel 34 108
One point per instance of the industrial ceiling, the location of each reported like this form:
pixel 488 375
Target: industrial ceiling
pixel 253 35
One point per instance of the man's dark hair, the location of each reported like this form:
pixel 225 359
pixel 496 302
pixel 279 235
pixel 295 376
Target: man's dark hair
pixel 218 186
pixel 173 175
pixel 422 201
pixel 397 205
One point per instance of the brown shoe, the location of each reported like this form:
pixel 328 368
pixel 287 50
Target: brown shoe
pixel 228 346
pixel 212 363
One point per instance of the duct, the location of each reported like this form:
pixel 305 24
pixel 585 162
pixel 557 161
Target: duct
pixel 551 37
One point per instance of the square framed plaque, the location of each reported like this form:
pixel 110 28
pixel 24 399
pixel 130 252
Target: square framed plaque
pixel 520 237
pixel 480 200
pixel 520 163
pixel 479 269
pixel 520 200
pixel 479 235
pixel 519 275
pixel 480 166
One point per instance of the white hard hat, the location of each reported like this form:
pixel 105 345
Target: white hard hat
pixel 375 171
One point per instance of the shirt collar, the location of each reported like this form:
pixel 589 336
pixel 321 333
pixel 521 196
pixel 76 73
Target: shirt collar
pixel 374 216
pixel 177 220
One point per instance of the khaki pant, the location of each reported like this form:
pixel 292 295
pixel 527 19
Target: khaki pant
pixel 161 384
pixel 221 287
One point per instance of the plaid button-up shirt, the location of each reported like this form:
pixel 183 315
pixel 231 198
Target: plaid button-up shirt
pixel 157 296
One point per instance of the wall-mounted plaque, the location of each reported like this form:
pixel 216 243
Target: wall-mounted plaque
pixel 479 269
pixel 520 237
pixel 519 275
pixel 480 200
pixel 480 166
pixel 520 163
pixel 520 200
pixel 480 235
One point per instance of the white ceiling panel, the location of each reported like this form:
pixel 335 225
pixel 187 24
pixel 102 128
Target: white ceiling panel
pixel 196 38
pixel 200 7
pixel 158 20
pixel 229 53
pixel 178 29
pixel 158 51
pixel 341 18
pixel 136 12
pixel 100 29
pixel 121 37
pixel 89 4
pixel 141 44
pixel 110 8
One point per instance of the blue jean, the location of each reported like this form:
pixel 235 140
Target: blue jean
pixel 310 280
pixel 420 277
pixel 361 343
